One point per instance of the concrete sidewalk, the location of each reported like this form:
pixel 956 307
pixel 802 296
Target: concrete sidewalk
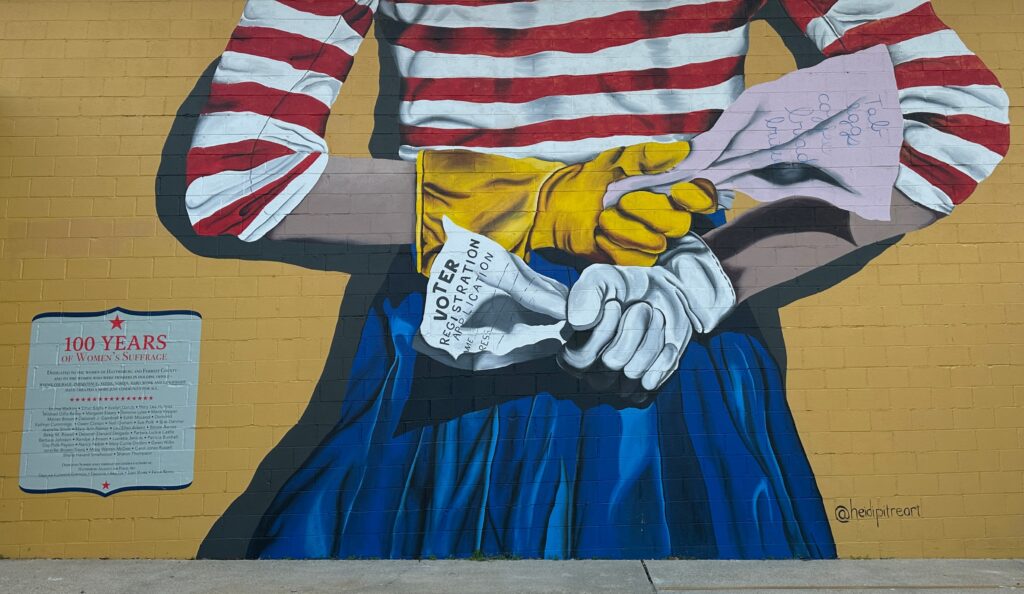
pixel 495 577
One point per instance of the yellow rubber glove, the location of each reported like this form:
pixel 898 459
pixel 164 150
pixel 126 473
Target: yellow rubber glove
pixel 529 204
pixel 634 232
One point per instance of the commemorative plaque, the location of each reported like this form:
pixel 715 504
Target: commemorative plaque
pixel 110 401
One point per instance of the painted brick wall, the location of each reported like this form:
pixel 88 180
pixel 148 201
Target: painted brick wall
pixel 906 380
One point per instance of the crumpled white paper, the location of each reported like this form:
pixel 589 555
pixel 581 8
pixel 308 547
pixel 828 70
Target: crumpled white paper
pixel 486 308
pixel 832 131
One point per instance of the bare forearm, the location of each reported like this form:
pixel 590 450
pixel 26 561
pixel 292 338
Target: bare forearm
pixel 777 242
pixel 356 201
pixel 373 201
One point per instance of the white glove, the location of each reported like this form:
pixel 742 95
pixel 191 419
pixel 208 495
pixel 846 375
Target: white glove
pixel 641 319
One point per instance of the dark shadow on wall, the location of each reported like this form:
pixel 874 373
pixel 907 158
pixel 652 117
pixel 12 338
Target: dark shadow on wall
pixel 386 137
pixel 765 306
pixel 368 267
pixel 803 49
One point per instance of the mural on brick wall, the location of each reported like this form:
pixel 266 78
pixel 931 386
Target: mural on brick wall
pixel 566 363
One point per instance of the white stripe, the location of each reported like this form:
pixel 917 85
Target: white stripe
pixel 522 15
pixel 972 159
pixel 941 44
pixel 821 33
pixel 464 114
pixel 849 14
pixel 574 151
pixel 285 202
pixel 987 102
pixel 328 29
pixel 922 192
pixel 206 195
pixel 665 52
pixel 236 68
pixel 215 129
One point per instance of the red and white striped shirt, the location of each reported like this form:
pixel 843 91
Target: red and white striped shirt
pixel 558 80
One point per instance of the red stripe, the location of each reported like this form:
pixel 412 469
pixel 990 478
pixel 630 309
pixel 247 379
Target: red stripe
pixel 991 135
pixel 955 183
pixel 355 14
pixel 234 156
pixel 581 37
pixel 564 130
pixel 519 90
pixel 301 52
pixel 915 23
pixel 235 217
pixel 952 70
pixel 802 12
pixel 294 108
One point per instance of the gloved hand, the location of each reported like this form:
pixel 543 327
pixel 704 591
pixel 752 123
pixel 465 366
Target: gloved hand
pixel 641 319
pixel 571 216
pixel 528 204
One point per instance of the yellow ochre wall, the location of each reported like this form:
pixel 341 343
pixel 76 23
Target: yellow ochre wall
pixel 906 380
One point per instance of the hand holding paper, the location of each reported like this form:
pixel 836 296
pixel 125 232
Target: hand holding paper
pixel 486 308
pixel 832 131
pixel 635 325
pixel 530 204
pixel 635 230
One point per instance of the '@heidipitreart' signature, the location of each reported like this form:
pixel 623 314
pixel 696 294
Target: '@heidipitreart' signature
pixel 874 511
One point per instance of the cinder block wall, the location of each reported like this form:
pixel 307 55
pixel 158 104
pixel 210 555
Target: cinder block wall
pixel 906 380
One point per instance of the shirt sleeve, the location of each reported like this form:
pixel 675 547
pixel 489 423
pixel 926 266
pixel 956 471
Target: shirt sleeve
pixel 258 146
pixel 956 114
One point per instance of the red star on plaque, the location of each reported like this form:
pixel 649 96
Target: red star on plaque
pixel 116 322
pixel 106 485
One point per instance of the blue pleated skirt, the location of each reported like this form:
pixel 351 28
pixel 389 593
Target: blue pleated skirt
pixel 428 461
